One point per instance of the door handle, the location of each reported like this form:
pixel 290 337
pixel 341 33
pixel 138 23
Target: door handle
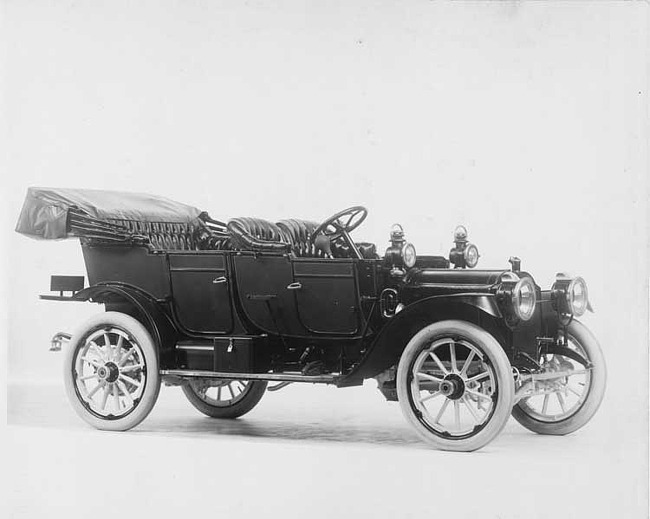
pixel 218 281
pixel 294 286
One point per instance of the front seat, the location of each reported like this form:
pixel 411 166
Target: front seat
pixel 260 235
pixel 290 235
pixel 257 235
pixel 298 233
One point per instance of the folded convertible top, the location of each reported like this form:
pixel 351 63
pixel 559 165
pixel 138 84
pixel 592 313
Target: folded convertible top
pixel 47 212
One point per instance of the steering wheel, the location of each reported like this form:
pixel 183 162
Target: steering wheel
pixel 342 224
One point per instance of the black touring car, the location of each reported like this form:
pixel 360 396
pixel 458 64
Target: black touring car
pixel 224 309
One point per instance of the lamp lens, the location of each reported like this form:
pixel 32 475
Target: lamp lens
pixel 525 299
pixel 471 255
pixel 578 297
pixel 408 255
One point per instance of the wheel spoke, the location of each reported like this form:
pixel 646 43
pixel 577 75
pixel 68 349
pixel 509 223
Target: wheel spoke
pixel 437 361
pixel 426 376
pixel 118 348
pixel 130 380
pixel 478 377
pixel 105 397
pixel 430 396
pixel 98 350
pixel 116 394
pixel 126 357
pixel 442 410
pixel 478 395
pixel 579 395
pixel 452 356
pixel 125 392
pixel 578 372
pixel 92 362
pixel 109 348
pixel 471 409
pixel 95 389
pixel 560 399
pixel 547 397
pixel 467 363
pixel 87 377
pixel 457 414
pixel 232 395
pixel 133 367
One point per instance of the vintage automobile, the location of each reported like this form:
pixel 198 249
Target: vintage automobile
pixel 222 310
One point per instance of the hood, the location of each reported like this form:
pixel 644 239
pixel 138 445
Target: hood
pixel 463 279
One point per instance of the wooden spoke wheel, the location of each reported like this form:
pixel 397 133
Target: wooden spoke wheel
pixel 111 372
pixel 224 398
pixel 455 386
pixel 566 404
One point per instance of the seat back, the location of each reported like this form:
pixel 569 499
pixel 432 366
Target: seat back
pixel 291 235
pixel 257 234
pixel 299 233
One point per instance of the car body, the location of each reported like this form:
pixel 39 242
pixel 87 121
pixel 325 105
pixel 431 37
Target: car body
pixel 224 309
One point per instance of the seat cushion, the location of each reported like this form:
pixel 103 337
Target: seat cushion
pixel 340 249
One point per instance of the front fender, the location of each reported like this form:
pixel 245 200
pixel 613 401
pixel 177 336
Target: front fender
pixel 387 347
pixel 140 305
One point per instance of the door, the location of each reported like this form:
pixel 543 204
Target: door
pixel 265 295
pixel 201 292
pixel 327 295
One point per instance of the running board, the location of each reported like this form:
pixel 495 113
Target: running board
pixel 276 377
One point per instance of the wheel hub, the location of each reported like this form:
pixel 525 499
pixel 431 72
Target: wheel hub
pixel 452 386
pixel 109 372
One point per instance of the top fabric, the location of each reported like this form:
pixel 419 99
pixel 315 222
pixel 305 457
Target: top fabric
pixel 45 212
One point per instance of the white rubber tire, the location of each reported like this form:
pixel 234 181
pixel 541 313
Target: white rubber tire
pixel 502 369
pixel 141 336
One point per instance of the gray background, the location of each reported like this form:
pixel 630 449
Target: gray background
pixel 527 122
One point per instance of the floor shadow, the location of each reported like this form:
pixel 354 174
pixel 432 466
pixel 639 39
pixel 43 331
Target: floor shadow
pixel 289 430
pixel 47 407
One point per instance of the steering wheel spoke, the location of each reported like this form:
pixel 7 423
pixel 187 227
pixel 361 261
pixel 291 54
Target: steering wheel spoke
pixel 334 228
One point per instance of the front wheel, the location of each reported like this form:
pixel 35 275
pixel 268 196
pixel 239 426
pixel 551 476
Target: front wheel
pixel 455 385
pixel 566 404
pixel 224 398
pixel 111 372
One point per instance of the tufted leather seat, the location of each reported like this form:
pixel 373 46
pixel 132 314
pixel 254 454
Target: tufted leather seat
pixel 261 235
pixel 298 233
pixel 257 234
pixel 291 235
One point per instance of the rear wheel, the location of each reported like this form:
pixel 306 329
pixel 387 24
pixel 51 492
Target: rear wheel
pixel 455 386
pixel 566 404
pixel 224 398
pixel 111 372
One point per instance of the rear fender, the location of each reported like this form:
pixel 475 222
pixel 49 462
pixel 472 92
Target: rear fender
pixel 140 305
pixel 386 349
